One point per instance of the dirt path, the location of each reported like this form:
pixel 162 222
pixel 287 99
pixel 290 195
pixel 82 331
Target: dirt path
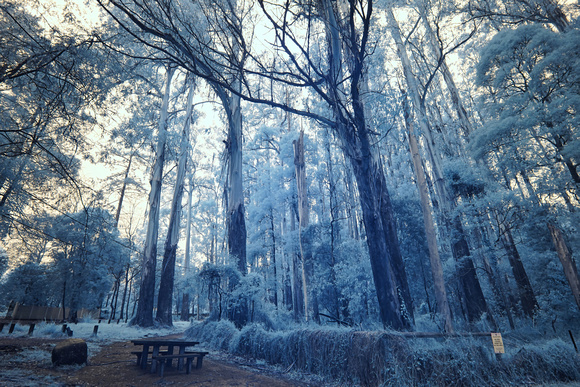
pixel 26 362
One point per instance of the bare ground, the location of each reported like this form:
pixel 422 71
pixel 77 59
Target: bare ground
pixel 27 362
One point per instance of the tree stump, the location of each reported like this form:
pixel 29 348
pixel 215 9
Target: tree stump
pixel 71 351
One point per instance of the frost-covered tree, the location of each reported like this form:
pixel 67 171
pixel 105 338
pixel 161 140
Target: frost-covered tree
pixel 530 75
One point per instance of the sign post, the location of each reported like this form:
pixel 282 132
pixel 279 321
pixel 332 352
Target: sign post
pixel 497 342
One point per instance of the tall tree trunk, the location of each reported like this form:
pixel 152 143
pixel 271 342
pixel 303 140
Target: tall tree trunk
pixel 303 214
pixel 429 223
pixel 123 188
pixel 273 258
pixel 185 301
pixel 395 304
pixel 334 231
pixel 165 297
pixel 568 263
pixel 122 314
pixel 296 277
pixel 447 76
pixel 286 265
pixel 472 294
pixel 525 291
pixel 144 314
pixel 236 221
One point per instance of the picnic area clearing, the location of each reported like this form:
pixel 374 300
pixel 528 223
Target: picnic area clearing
pixel 26 362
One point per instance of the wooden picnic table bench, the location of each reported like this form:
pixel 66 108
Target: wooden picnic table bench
pixel 22 321
pixel 34 314
pixel 155 344
pixel 163 359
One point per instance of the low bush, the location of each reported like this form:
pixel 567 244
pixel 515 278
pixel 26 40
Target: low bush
pixel 382 358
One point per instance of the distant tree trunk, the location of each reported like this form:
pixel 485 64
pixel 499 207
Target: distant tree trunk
pixel 296 280
pixel 286 266
pixel 350 207
pixel 568 263
pixel 498 289
pixel 122 314
pixel 165 297
pixel 185 301
pixel 273 257
pixel 123 188
pixel 130 284
pixel 303 214
pixel 525 291
pixel 334 231
pixel 114 298
pixel 144 314
pixel 447 76
pixel 429 223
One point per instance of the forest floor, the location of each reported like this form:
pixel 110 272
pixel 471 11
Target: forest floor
pixel 27 362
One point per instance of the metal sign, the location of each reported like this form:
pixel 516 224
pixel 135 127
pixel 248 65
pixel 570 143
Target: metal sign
pixel 497 343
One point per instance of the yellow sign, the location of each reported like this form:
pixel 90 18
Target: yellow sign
pixel 497 343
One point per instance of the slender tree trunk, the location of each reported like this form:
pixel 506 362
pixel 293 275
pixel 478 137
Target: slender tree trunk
pixel 429 223
pixel 447 76
pixel 115 298
pixel 334 230
pixel 144 315
pixel 286 266
pixel 165 297
pixel 273 257
pixel 122 314
pixel 303 215
pixel 185 301
pixel 525 291
pixel 296 280
pixel 123 188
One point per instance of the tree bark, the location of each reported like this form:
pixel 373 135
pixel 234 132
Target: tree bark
pixel 165 297
pixel 429 223
pixel 570 269
pixel 187 258
pixel 236 222
pixel 303 214
pixel 273 258
pixel 144 314
pixel 122 315
pixel 296 276
pixel 525 291
pixel 123 188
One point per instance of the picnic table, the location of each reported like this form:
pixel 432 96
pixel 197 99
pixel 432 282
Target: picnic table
pixel 155 345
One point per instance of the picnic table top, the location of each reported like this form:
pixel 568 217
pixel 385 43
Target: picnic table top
pixel 161 341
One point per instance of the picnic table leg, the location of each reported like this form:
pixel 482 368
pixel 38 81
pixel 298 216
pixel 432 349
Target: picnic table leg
pixel 199 362
pixel 153 362
pixel 144 355
pixel 188 365
pixel 169 352
pixel 180 361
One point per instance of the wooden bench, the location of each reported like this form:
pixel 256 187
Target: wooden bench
pixel 188 357
pixel 12 322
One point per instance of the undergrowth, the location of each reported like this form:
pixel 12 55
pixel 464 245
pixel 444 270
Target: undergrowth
pixel 381 358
